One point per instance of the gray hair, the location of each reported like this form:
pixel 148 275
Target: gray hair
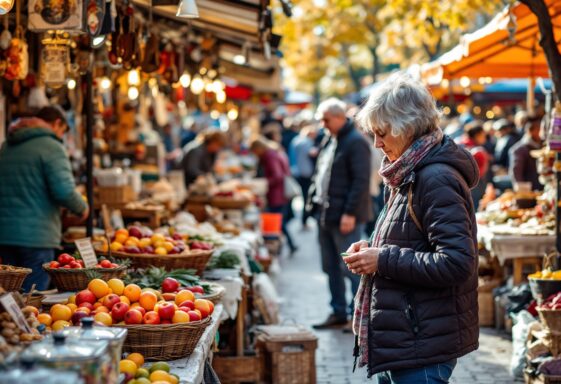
pixel 333 106
pixel 402 105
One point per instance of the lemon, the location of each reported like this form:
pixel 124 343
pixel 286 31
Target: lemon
pixel 160 366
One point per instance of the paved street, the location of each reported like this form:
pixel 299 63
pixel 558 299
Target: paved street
pixel 305 298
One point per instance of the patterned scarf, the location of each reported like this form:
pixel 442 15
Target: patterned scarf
pixel 393 175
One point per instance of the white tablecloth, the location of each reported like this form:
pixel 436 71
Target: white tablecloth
pixel 505 247
pixel 191 369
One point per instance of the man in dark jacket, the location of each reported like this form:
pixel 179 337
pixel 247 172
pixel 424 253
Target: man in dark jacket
pixel 340 200
pixel 199 155
pixel 523 167
pixel 36 181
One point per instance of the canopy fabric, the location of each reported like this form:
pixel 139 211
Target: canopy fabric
pixel 490 52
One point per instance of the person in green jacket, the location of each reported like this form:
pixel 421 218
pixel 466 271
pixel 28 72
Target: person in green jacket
pixel 35 182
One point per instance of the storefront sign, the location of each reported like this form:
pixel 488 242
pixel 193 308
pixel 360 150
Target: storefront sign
pixel 87 252
pixel 15 312
pixel 54 64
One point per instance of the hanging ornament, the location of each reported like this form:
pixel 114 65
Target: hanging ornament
pixel 95 11
pixel 5 36
pixel 55 14
pixel 6 6
pixel 17 58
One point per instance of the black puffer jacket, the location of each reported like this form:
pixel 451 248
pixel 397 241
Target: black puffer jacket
pixel 349 182
pixel 424 296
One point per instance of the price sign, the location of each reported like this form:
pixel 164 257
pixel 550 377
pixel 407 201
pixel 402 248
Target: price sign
pixel 15 312
pixel 87 252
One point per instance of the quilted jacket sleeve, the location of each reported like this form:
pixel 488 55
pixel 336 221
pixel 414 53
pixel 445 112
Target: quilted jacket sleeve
pixel 359 171
pixel 448 225
pixel 60 180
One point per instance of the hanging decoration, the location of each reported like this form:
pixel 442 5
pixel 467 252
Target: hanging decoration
pixel 6 6
pixel 55 14
pixel 55 59
pixel 17 57
pixel 95 13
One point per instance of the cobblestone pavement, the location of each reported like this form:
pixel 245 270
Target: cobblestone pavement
pixel 304 294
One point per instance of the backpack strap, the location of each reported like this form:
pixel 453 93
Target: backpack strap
pixel 410 208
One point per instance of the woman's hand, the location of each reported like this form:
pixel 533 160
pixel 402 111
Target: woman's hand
pixel 364 261
pixel 355 247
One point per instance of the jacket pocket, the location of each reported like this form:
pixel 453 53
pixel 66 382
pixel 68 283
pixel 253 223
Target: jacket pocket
pixel 411 313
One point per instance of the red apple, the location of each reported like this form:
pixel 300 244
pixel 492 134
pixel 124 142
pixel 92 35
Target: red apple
pixel 204 306
pixel 175 250
pixel 54 264
pixel 105 263
pixel 67 266
pixel 85 296
pixel 113 265
pixel 78 316
pixel 135 232
pixel 196 289
pixel 166 311
pixel 169 285
pixel 184 309
pixel 141 310
pixel 133 317
pixel 194 315
pixel 151 318
pixel 86 305
pixel 177 236
pixel 189 304
pixel 110 300
pixel 132 249
pixel 149 249
pixel 65 258
pixel 119 311
pixel 81 262
pixel 75 265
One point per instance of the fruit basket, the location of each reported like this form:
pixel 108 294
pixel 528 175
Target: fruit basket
pixel 551 319
pixel 217 291
pixel 164 341
pixel 543 288
pixel 11 278
pixel 77 279
pixel 229 203
pixel 192 259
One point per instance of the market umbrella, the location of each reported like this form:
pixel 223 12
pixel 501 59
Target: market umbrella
pixel 507 47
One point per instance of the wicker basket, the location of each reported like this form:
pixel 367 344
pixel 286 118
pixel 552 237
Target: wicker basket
pixel 551 319
pixel 12 279
pixel 216 294
pixel 77 279
pixel 164 341
pixel 229 203
pixel 193 259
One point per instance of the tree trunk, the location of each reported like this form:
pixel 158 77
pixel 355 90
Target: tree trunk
pixel 353 74
pixel 547 41
pixel 375 63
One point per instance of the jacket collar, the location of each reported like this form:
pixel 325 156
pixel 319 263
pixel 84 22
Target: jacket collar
pixel 348 127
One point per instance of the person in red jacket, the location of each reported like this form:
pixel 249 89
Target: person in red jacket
pixel 274 164
pixel 473 140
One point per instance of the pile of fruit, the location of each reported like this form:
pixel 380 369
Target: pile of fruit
pixel 546 274
pixel 137 241
pixel 114 303
pixel 552 302
pixel 12 338
pixel 67 261
pixel 136 373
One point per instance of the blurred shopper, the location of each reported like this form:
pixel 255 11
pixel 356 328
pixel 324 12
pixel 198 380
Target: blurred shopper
pixel 416 309
pixel 340 201
pixel 200 154
pixel 36 182
pixel 302 163
pixel 274 164
pixel 506 138
pixel 474 140
pixel 523 167
pixel 520 120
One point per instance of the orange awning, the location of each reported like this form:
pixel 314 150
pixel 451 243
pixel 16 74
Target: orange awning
pixel 489 51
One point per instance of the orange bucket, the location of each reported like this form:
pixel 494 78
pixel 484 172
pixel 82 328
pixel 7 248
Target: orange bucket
pixel 271 223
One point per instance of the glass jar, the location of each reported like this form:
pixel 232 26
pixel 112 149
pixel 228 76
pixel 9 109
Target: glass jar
pixel 28 373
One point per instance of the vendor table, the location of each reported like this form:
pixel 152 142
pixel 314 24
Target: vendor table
pixel 521 249
pixel 191 369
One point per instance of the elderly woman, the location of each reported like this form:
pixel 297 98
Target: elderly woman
pixel 416 308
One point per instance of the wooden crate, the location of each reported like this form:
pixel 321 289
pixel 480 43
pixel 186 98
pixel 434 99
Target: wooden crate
pixel 290 361
pixel 116 195
pixel 486 302
pixel 238 369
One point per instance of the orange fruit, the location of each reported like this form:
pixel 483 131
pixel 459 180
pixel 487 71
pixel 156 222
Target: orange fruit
pixel 159 376
pixel 168 245
pixel 157 237
pixel 174 379
pixel 117 286
pixel 144 242
pixel 180 317
pixel 128 366
pixel 135 305
pixel 132 291
pixel 137 358
pixel 125 300
pixel 122 231
pixel 72 307
pixel 102 308
pixel 121 238
pixel 184 295
pixel 98 287
pixel 116 246
pixel 71 299
pixel 132 241
pixel 161 251
pixel 148 300
pixel 60 312
pixel 60 325
pixel 45 318
pixel 104 318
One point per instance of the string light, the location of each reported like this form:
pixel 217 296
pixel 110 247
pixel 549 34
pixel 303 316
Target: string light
pixel 233 114
pixel 133 93
pixel 71 84
pixel 105 83
pixel 185 80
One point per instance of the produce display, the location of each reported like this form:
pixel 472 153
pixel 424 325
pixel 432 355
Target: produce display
pixel 546 274
pixel 136 372
pixel 113 303
pixel 552 302
pixel 156 278
pixel 67 261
